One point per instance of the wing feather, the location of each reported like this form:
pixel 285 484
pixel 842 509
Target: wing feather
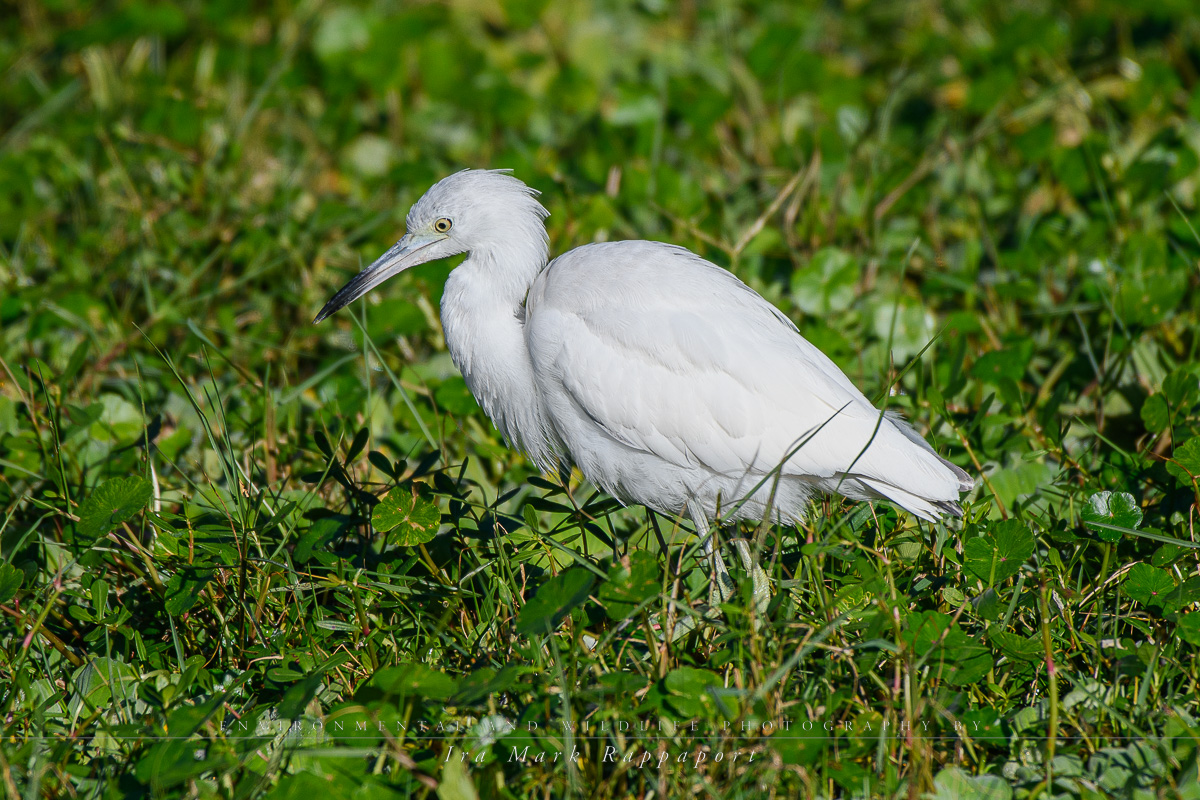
pixel 669 354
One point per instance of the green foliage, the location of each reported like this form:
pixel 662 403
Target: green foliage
pixel 630 585
pixel 113 502
pixel 1150 586
pixel 941 644
pixel 11 579
pixel 234 544
pixel 554 600
pixel 999 554
pixel 1185 463
pixel 183 590
pixel 1106 511
pixel 953 783
pixel 412 519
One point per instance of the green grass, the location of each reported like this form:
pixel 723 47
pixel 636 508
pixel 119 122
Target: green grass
pixel 195 555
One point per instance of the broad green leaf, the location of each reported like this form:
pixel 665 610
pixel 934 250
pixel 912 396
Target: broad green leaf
pixel 487 681
pixel 99 681
pixel 456 783
pixel 828 283
pixel 623 683
pixel 628 587
pixel 304 785
pixel 688 689
pixel 82 419
pixel 114 502
pixel 357 445
pixel 1020 479
pixel 1149 299
pixel 414 519
pixel 942 647
pixel 75 362
pixel 99 592
pixel 961 660
pixel 176 760
pixel 1185 461
pixel 925 629
pixel 1150 586
pixel 1009 363
pixel 801 747
pixel 955 783
pixel 998 555
pixel 416 680
pixel 184 587
pixel 186 719
pixel 11 579
pixel 454 396
pixel 1167 554
pixel 319 534
pixel 1156 416
pixel 382 463
pixel 120 422
pixel 1181 388
pixel 988 605
pixel 1187 593
pixel 907 325
pixel 1016 647
pixel 1188 628
pixel 1112 508
pixel 554 600
pixel 297 697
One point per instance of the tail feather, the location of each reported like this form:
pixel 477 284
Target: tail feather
pixel 950 507
pixel 929 510
pixel 965 482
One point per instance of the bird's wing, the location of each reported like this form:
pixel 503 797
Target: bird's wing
pixel 670 354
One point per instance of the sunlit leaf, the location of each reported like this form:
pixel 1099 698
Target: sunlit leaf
pixel 998 555
pixel 1150 586
pixel 410 518
pixel 114 502
pixel 1111 508
pixel 1184 463
pixel 628 587
pixel 10 581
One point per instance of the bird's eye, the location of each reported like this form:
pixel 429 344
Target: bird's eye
pixel 443 225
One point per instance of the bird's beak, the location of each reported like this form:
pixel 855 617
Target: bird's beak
pixel 408 252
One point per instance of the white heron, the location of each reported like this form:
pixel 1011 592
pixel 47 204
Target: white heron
pixel 664 378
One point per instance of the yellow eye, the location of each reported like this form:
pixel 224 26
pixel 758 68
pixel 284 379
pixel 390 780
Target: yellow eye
pixel 443 225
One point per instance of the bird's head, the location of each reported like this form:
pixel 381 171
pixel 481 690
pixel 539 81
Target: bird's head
pixel 467 211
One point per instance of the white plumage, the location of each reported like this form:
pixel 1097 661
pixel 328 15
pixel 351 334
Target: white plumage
pixel 665 379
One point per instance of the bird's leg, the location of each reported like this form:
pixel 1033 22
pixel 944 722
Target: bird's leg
pixel 762 585
pixel 721 586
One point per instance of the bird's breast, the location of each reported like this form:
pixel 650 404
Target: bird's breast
pixel 485 337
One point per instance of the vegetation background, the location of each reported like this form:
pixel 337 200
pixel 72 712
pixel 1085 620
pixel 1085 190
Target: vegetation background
pixel 983 211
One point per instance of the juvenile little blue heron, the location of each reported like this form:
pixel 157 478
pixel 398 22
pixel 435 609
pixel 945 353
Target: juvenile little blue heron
pixel 664 378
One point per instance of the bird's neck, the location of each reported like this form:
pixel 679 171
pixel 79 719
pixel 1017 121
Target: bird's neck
pixel 483 316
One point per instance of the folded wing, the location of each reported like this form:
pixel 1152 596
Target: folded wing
pixel 672 355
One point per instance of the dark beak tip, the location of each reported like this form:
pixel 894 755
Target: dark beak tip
pixel 327 311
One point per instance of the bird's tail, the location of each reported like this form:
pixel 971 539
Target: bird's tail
pixel 955 480
pixel 926 509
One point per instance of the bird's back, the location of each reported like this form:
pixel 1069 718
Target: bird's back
pixel 654 362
